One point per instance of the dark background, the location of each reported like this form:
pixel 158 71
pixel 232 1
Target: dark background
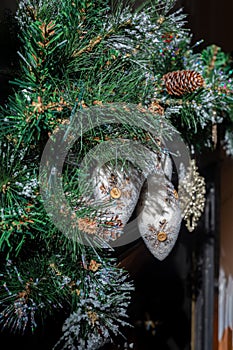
pixel 163 289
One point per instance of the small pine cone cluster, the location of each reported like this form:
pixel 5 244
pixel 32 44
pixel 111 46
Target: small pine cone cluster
pixel 155 107
pixel 182 82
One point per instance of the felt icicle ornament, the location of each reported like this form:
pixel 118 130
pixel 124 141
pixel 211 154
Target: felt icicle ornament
pixel 159 217
pixel 116 189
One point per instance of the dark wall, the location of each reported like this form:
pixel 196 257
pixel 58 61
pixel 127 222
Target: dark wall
pixel 7 34
pixel 8 47
pixel 211 20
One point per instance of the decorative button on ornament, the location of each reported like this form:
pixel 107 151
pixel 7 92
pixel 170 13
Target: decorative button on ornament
pixel 115 193
pixel 176 194
pixel 162 236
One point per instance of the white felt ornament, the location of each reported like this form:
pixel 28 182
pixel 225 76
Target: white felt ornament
pixel 117 189
pixel 159 215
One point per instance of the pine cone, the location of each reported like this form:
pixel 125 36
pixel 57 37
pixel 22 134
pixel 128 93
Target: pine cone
pixel 182 81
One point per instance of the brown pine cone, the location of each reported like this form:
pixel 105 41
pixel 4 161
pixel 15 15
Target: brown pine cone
pixel 182 81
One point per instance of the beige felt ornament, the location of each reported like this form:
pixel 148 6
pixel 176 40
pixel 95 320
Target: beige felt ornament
pixel 159 216
pixel 117 189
